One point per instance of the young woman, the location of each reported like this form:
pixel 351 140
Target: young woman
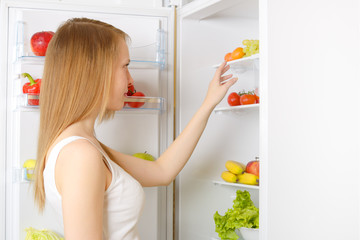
pixel 97 191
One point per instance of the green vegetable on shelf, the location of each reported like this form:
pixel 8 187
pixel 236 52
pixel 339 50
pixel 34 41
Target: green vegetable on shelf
pixel 44 234
pixel 243 214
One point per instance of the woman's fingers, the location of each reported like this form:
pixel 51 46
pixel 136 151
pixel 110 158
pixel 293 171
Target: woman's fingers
pixel 220 69
pixel 228 78
pixel 225 69
pixel 223 78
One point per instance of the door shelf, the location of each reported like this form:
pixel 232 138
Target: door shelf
pixel 150 55
pixel 134 64
pixel 243 64
pixel 153 104
pixel 241 109
pixel 238 185
pixel 20 175
pixel 150 103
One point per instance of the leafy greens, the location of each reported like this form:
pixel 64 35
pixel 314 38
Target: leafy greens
pixel 243 214
pixel 34 234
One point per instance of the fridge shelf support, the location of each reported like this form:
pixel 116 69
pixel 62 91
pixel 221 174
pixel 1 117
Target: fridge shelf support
pixel 160 53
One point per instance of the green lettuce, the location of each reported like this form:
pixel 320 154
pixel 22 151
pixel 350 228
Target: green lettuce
pixel 243 214
pixel 33 234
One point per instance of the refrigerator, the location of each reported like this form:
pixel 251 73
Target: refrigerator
pixel 305 129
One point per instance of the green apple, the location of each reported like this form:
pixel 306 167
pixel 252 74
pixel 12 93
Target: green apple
pixel 145 156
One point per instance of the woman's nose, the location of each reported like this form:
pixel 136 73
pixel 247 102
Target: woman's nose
pixel 130 79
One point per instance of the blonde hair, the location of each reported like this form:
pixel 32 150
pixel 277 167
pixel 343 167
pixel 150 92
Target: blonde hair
pixel 76 82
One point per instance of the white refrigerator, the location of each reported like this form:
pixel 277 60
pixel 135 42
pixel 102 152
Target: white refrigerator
pixel 304 130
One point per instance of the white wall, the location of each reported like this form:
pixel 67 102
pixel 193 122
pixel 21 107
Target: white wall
pixel 313 120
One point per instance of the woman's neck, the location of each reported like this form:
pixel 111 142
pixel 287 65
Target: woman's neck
pixel 83 127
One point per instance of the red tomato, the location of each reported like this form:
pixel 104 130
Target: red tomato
pixel 247 99
pixel 131 90
pixel 233 99
pixel 257 98
pixel 136 104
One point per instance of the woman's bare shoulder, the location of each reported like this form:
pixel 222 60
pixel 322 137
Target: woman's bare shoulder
pixel 79 161
pixel 81 151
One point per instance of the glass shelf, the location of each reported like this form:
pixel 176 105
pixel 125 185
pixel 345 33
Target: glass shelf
pixel 241 109
pixel 238 185
pixel 150 103
pixel 243 64
pixel 138 104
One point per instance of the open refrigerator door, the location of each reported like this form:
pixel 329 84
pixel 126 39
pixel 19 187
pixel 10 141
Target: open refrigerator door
pixel 145 124
pixel 209 30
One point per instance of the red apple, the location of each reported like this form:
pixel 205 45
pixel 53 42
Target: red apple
pixel 39 42
pixel 253 167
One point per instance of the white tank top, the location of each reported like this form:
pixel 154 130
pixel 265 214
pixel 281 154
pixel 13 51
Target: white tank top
pixel 123 203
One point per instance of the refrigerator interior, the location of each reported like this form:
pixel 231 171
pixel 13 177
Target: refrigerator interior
pixel 148 128
pixel 231 134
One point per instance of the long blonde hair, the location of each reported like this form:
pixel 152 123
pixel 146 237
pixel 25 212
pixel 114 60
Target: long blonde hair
pixel 76 82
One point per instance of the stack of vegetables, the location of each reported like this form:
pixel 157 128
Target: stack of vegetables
pixel 243 214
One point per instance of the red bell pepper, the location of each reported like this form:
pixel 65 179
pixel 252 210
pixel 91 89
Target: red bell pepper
pixel 32 89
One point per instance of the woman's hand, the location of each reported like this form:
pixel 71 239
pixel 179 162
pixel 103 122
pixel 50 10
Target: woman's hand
pixel 219 86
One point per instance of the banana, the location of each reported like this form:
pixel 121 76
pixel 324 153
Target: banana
pixel 248 178
pixel 229 177
pixel 243 166
pixel 234 167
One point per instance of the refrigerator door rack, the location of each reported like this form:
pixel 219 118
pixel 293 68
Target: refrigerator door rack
pixel 150 56
pixel 20 175
pixel 134 64
pixel 150 103
pixel 26 103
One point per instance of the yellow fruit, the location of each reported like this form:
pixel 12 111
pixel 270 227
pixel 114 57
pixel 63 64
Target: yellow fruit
pixel 229 177
pixel 29 165
pixel 243 166
pixel 237 53
pixel 234 167
pixel 248 178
